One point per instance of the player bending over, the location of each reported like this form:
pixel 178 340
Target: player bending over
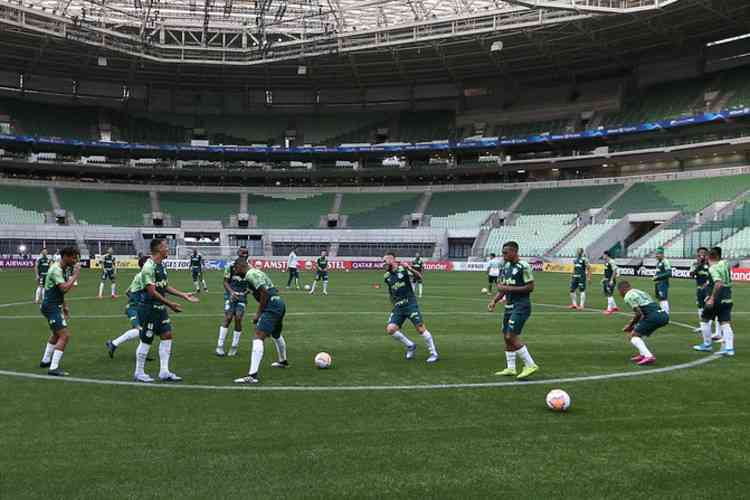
pixel 581 277
pixel 609 282
pixel 517 283
pixel 321 268
pixel 648 318
pixel 109 272
pixel 718 304
pixel 196 269
pixel 235 303
pixel 56 311
pixel 269 320
pixel 135 298
pixel 153 318
pixel 41 268
pixel 405 307
pixel 661 279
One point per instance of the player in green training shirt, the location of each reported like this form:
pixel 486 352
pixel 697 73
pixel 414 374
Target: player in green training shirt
pixel 135 298
pixel 397 278
pixel 268 319
pixel 647 319
pixel 55 310
pixel 609 282
pixel 661 279
pixel 699 271
pixel 321 272
pixel 515 287
pixel 236 289
pixel 418 265
pixel 196 269
pixel 718 304
pixel 109 272
pixel 581 277
pixel 42 267
pixel 153 318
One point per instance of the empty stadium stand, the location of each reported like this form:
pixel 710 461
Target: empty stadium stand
pixel 368 210
pixel 657 240
pixel 443 204
pixel 470 219
pixel 200 206
pixel 566 200
pixel 536 234
pixel 23 205
pixel 585 237
pixel 116 208
pixel 289 212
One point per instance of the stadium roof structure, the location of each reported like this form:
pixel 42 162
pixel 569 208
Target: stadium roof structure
pixel 363 41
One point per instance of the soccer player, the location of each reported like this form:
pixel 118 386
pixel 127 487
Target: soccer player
pixel 661 279
pixel 269 320
pixel 494 264
pixel 718 304
pixel 581 277
pixel 418 265
pixel 292 265
pixel 321 267
pixel 648 318
pixel 235 302
pixel 196 268
pixel 153 318
pixel 42 267
pixel 56 311
pixel 608 283
pixel 405 307
pixel 517 283
pixel 699 271
pixel 135 298
pixel 109 270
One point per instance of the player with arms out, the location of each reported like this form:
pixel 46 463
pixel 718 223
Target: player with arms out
pixel 196 269
pixel 109 272
pixel 661 279
pixel 609 282
pixel 153 318
pixel 236 288
pixel 268 320
pixel 321 272
pixel 718 304
pixel 292 265
pixel 494 265
pixel 648 318
pixel 516 285
pixel 56 311
pixel 405 307
pixel 581 277
pixel 41 270
pixel 418 265
pixel 135 298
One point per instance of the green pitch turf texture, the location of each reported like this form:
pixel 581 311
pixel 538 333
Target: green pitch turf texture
pixel 682 434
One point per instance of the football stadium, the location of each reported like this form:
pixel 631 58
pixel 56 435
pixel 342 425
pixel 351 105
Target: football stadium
pixel 374 249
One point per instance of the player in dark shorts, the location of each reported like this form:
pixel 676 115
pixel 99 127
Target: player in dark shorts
pixel 196 270
pixel 109 272
pixel 405 307
pixel 699 271
pixel 661 279
pixel 517 283
pixel 718 304
pixel 321 272
pixel 135 298
pixel 609 282
pixel 236 288
pixel 648 318
pixel 55 310
pixel 269 320
pixel 581 277
pixel 41 268
pixel 418 265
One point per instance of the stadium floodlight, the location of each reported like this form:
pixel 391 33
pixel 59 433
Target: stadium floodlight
pixel 22 248
pixel 496 46
pixel 301 70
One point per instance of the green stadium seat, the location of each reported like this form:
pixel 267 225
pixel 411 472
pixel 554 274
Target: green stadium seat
pixel 373 210
pixel 567 200
pixel 657 240
pixel 536 234
pixel 200 206
pixel 443 204
pixel 290 213
pixel 585 237
pixel 23 205
pixel 115 208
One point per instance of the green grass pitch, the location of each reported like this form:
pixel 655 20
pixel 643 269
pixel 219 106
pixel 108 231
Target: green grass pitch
pixel 681 434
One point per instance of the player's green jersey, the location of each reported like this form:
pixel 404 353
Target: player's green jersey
pixel 256 280
pixel 418 264
pixel 721 272
pixel 135 290
pixel 580 264
pixel 399 286
pixel 196 263
pixel 516 274
pixel 610 270
pixel 53 296
pixel 153 274
pixel 42 265
pixel 699 271
pixel 663 270
pixel 108 262
pixel 638 299
pixel 322 263
pixel 237 282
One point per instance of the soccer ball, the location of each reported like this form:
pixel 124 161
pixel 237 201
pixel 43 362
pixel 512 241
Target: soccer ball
pixel 485 291
pixel 323 360
pixel 558 400
pixel 307 287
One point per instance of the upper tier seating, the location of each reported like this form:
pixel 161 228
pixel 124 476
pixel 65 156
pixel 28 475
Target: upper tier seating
pixel 425 125
pixel 23 205
pixel 536 234
pixel 38 119
pixel 200 206
pixel 464 220
pixel 585 237
pixel 373 210
pixel 443 204
pixel 116 208
pixel 290 213
pixel 737 83
pixel 566 200
pixel 659 102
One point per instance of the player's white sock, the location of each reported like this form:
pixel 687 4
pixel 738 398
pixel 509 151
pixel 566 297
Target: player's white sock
pixel 114 289
pixel 510 359
pixel 728 336
pixel 48 350
pixel 583 299
pixel 639 344
pixel 525 356
pixel 256 357
pixel 700 316
pixel 430 342
pixel 664 306
pixel 101 289
pixel 717 328
pixel 611 304
pixel 573 298
pixel 400 337
pixel 325 287
pixel 204 284
pixel 222 336
pixel 165 352
pixel 196 287
pixel 141 353
pixel 38 294
pixel 312 288
pixel 280 347
pixel 56 357
pixel 129 335
pixel 296 283
pixel 420 288
pixel 706 331
pixel 236 339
